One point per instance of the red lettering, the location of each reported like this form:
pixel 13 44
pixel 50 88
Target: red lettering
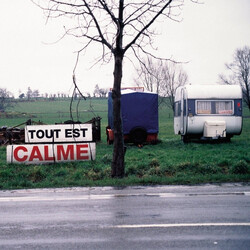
pixel 81 152
pixel 35 154
pixel 46 154
pixel 61 154
pixel 16 150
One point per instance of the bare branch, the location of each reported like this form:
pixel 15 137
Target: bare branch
pixel 147 25
pixel 103 40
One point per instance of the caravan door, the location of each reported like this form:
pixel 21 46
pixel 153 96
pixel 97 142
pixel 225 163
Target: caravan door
pixel 183 113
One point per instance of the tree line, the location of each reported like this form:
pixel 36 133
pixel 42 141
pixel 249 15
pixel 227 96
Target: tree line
pixel 35 94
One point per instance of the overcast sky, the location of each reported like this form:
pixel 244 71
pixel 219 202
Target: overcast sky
pixel 206 38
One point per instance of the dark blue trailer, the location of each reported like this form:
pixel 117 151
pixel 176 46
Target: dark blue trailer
pixel 139 111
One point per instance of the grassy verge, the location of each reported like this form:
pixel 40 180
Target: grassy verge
pixel 168 162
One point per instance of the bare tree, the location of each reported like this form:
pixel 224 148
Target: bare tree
pixel 103 92
pixel 32 93
pixel 162 77
pixel 149 75
pixel 240 72
pixel 117 27
pixel 6 99
pixel 100 92
pixel 96 92
pixel 173 76
pixel 35 93
pixel 29 93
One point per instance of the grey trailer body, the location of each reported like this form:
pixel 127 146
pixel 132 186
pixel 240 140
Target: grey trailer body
pixel 208 111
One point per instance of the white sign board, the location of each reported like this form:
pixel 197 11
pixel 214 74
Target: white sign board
pixel 58 133
pixel 50 153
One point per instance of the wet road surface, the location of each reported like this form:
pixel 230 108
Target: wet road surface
pixel 161 217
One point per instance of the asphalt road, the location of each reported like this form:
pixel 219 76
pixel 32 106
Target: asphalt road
pixel 163 217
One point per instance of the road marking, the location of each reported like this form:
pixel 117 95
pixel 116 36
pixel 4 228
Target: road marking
pixel 111 196
pixel 184 225
pixel 55 198
pixel 81 197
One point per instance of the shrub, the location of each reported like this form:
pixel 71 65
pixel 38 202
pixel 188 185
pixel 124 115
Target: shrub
pixel 37 174
pixel 240 168
pixel 154 163
pixel 107 159
pixel 223 163
pixel 6 174
pixel 92 175
pixel 61 172
pixel 155 171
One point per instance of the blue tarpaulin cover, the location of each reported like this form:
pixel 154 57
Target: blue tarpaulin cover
pixel 138 109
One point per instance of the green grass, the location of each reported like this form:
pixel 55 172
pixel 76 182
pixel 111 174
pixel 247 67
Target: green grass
pixel 168 162
pixel 50 112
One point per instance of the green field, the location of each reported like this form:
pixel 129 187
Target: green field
pixel 168 162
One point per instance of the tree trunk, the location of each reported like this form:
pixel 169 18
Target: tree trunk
pixel 118 151
pixel 246 94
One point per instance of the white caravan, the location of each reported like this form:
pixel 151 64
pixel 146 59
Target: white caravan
pixel 208 111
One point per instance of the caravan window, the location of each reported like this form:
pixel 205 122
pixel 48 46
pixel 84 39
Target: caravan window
pixel 214 107
pixel 177 108
pixel 224 107
pixel 204 107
